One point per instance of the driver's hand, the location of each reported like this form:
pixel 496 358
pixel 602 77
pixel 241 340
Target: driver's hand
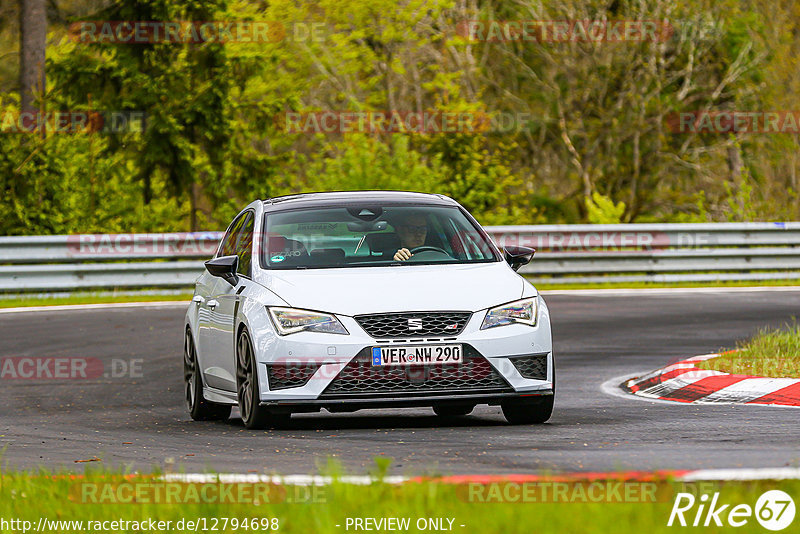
pixel 402 255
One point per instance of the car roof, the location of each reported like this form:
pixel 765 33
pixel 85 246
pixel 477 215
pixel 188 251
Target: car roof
pixel 355 197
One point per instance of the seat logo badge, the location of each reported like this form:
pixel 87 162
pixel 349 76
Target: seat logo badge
pixel 415 324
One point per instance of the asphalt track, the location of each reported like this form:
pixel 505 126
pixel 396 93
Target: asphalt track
pixel 137 423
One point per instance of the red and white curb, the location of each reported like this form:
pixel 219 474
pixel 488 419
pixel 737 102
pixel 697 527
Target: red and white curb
pixel 684 382
pixel 768 473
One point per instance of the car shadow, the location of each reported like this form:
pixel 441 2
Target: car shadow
pixel 351 421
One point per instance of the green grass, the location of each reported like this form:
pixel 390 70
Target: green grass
pixel 98 298
pixel 32 496
pixel 18 302
pixel 771 353
pixel 543 286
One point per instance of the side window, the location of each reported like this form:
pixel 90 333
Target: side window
pixel 228 247
pixel 244 245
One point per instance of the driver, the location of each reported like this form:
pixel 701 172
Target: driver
pixel 412 231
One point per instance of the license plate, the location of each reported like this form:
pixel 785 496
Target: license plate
pixel 416 355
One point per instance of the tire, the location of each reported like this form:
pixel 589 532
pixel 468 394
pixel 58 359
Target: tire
pixel 453 411
pixel 530 410
pixel 199 408
pixel 254 416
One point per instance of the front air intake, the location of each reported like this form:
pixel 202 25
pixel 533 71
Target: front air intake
pixel 413 325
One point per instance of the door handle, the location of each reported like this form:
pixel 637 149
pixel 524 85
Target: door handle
pixel 197 299
pixel 212 304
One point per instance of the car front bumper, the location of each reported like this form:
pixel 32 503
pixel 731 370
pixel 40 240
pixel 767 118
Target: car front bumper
pixel 330 354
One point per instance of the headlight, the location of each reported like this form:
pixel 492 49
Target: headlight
pixel 289 320
pixel 523 311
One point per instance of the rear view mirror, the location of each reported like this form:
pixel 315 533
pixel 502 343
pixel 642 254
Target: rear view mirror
pixel 225 268
pixel 366 226
pixel 518 256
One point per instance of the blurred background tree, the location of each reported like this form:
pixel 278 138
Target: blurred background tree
pixel 594 146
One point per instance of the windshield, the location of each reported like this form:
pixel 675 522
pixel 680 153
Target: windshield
pixel 359 236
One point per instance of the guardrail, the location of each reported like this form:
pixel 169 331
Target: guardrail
pixel 658 252
pixel 565 254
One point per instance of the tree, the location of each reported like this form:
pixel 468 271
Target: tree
pixel 33 38
pixel 200 105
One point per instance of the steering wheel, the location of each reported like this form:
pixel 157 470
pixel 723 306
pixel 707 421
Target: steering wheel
pixel 428 248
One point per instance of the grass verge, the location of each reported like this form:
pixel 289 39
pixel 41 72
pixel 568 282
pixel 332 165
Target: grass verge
pixel 21 302
pixel 36 498
pixel 99 298
pixel 771 353
pixel 544 286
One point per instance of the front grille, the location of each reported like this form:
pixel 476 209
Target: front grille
pixel 360 378
pixel 290 375
pixel 411 325
pixel 532 366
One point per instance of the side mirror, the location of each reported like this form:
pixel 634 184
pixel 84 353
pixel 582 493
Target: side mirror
pixel 518 256
pixel 225 268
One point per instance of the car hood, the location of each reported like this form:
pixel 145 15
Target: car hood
pixel 357 290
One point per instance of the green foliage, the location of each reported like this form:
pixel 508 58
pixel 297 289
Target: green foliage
pixel 205 106
pixel 72 183
pixel 593 149
pixel 697 214
pixel 457 166
pixel 601 209
pixel 740 200
pixel 363 162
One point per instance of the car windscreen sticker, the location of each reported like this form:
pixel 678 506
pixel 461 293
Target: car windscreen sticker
pixel 277 259
pixel 376 356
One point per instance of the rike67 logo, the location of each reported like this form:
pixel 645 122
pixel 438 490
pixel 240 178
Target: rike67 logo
pixel 774 510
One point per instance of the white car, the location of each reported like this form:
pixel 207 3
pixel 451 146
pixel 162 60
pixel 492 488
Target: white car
pixel 368 299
